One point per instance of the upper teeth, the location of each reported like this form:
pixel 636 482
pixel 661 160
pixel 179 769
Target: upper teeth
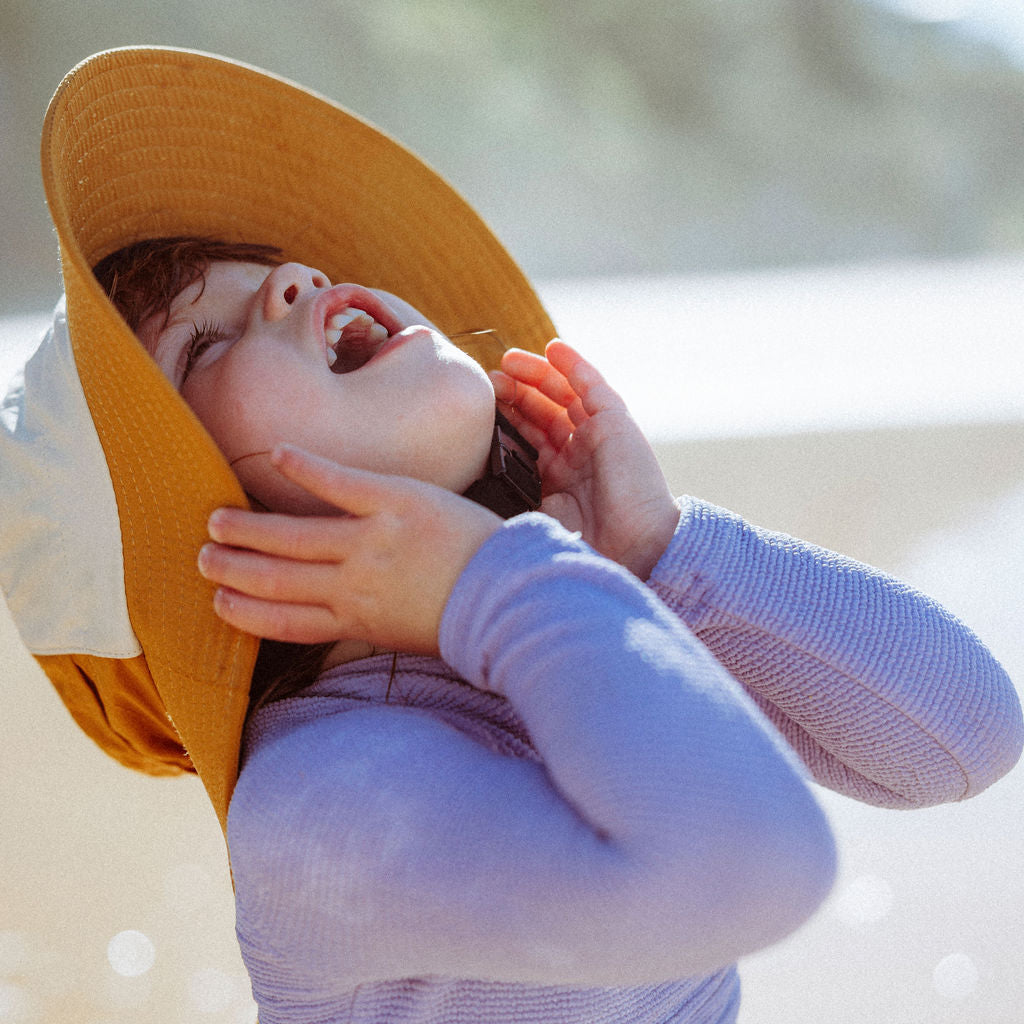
pixel 354 325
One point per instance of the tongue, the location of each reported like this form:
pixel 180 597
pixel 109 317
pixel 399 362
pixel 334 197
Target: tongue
pixel 354 353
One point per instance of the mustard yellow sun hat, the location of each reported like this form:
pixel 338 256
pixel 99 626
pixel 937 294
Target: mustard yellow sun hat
pixel 107 477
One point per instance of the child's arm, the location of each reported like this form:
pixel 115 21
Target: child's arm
pixel 666 832
pixel 885 695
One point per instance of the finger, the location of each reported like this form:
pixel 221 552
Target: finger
pixel 538 372
pixel 531 431
pixel 595 393
pixel 291 623
pixel 356 491
pixel 305 538
pixel 531 406
pixel 505 387
pixel 265 576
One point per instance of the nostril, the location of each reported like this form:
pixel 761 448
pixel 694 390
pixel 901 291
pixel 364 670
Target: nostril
pixel 319 282
pixel 290 293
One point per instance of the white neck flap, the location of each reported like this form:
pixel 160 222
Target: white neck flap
pixel 61 562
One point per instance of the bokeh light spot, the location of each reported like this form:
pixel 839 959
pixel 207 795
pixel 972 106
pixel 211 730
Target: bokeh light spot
pixel 864 900
pixel 211 990
pixel 955 976
pixel 131 953
pixel 248 1013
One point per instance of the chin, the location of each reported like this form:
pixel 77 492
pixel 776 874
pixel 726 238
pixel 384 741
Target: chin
pixel 465 427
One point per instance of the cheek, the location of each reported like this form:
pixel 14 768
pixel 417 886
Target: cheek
pixel 240 418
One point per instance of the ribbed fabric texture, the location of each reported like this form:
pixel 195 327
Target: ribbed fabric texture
pixel 580 677
pixel 712 1000
pixel 428 685
pixel 884 694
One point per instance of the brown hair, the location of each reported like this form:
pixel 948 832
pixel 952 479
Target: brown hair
pixel 142 280
pixel 145 278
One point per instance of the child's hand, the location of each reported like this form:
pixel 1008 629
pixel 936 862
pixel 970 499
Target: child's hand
pixel 382 573
pixel 600 475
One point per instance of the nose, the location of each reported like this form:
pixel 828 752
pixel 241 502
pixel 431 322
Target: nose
pixel 285 285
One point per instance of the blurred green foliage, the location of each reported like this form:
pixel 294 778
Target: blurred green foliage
pixel 603 137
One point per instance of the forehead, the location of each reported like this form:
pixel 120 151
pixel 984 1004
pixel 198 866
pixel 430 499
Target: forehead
pixel 224 282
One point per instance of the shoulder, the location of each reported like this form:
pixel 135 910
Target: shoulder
pixel 347 753
pixel 349 777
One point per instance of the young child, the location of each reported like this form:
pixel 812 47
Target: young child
pixel 496 765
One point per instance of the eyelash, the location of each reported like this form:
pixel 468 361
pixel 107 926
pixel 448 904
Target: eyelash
pixel 203 336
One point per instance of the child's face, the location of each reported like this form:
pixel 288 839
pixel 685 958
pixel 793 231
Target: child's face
pixel 251 353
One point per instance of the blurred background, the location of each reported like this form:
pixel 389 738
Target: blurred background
pixel 792 233
pixel 675 135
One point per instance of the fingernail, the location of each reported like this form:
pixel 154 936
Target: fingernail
pixel 202 559
pixel 215 523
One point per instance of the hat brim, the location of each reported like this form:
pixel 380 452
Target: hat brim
pixel 149 142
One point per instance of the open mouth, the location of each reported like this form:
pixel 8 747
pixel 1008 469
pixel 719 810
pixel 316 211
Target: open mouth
pixel 353 338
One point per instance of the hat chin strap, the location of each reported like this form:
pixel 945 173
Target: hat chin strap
pixel 248 455
pixel 512 483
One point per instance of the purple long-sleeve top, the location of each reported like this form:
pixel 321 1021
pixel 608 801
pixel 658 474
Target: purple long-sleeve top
pixel 592 806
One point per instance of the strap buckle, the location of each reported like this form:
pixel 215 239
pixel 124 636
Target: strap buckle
pixel 512 484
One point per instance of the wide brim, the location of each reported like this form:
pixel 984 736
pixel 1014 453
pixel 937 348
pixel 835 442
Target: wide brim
pixel 149 142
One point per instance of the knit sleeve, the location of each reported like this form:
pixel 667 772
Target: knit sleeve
pixel 883 693
pixel 665 830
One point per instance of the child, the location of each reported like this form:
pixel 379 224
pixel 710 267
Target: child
pixel 535 768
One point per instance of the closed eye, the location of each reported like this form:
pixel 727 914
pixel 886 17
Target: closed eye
pixel 202 337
